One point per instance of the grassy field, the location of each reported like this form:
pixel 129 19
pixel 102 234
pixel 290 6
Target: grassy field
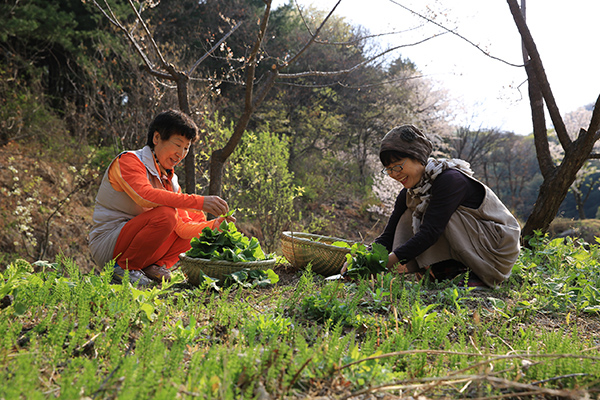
pixel 70 335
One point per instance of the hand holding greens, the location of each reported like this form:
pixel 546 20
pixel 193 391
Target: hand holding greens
pixel 364 263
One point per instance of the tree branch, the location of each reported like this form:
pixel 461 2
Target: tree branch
pixel 540 132
pixel 159 74
pixel 456 34
pixel 364 86
pixel 154 45
pixel 260 96
pixel 351 42
pixel 594 128
pixel 347 71
pixel 313 37
pixel 191 71
pixel 362 38
pixel 249 104
pixel 113 20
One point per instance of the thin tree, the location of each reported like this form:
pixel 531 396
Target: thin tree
pixel 557 178
pixel 253 100
pixel 475 146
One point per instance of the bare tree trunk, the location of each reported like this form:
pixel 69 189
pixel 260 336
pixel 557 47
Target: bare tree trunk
pixel 220 156
pixel 184 106
pixel 557 179
pixel 552 192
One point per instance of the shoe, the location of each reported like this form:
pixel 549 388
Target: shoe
pixel 157 273
pixel 135 277
pixel 447 270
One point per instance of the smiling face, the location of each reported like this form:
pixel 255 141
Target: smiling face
pixel 407 171
pixel 170 152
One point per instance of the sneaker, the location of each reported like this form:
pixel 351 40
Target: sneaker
pixel 135 276
pixel 157 273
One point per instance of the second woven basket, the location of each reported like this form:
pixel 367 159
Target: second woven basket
pixel 301 248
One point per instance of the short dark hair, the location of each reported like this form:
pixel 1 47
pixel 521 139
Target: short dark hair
pixel 172 122
pixel 390 156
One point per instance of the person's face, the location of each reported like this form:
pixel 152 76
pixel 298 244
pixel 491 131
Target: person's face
pixel 170 152
pixel 407 171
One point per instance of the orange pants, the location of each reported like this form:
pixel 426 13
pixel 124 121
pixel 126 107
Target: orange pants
pixel 150 238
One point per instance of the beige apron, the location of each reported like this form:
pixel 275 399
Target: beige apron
pixel 485 239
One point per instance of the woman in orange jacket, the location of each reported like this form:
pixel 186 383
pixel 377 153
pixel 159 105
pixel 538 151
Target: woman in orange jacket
pixel 142 220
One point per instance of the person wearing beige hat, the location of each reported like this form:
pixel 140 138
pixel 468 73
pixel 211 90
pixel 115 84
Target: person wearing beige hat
pixel 445 222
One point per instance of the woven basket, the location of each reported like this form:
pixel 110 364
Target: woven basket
pixel 300 249
pixel 194 267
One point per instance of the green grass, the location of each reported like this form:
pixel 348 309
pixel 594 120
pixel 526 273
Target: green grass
pixel 70 335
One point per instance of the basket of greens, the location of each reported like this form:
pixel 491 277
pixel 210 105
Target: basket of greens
pixel 220 252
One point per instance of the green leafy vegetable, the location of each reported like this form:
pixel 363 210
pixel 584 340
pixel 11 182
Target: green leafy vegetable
pixel 363 262
pixel 251 278
pixel 228 244
pixel 246 278
pixel 229 214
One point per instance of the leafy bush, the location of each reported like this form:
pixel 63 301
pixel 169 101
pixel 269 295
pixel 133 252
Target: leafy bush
pixel 264 191
pixel 559 275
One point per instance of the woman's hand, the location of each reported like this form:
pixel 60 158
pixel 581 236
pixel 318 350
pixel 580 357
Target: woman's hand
pixel 216 206
pixel 344 269
pixel 392 261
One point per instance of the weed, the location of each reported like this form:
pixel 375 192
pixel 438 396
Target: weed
pixel 69 335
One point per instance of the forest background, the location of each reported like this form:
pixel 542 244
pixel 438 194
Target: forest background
pixel 74 92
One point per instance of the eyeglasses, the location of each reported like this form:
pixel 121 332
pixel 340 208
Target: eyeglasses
pixel 394 169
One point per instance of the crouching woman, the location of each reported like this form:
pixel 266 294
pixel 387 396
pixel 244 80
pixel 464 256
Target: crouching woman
pixel 142 220
pixel 445 222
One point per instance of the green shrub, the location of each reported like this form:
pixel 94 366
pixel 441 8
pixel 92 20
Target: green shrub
pixel 264 190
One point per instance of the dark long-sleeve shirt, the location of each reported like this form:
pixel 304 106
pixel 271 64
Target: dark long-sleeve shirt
pixel 449 190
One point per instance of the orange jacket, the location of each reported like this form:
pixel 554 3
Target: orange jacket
pixel 128 174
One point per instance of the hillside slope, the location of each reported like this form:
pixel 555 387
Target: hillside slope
pixel 44 208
